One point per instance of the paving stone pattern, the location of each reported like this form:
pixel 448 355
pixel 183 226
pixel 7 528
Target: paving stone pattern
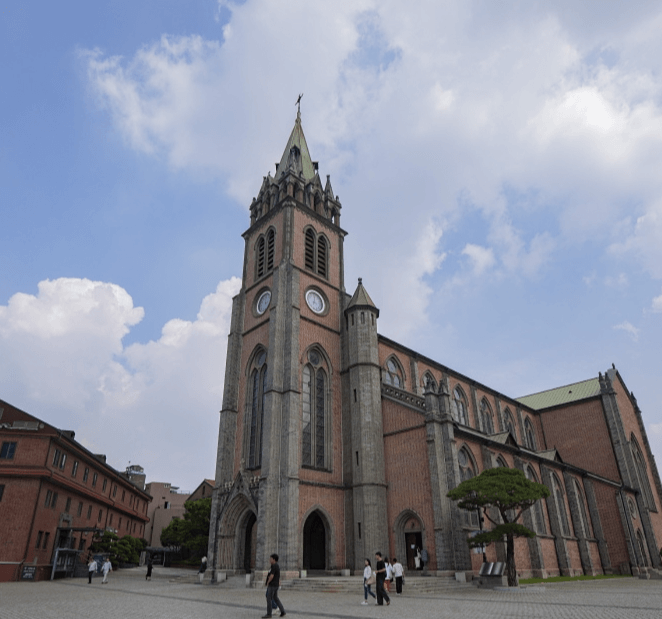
pixel 168 596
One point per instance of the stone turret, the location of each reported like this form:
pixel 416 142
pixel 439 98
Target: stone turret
pixel 363 418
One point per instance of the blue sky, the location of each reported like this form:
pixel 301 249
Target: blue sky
pixel 498 170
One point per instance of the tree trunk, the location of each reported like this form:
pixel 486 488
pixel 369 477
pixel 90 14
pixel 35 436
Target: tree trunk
pixel 511 572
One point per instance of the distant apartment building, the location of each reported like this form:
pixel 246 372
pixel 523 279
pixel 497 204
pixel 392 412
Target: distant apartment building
pixel 54 496
pixel 167 504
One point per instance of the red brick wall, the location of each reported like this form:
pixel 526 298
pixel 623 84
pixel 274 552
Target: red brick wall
pixel 568 428
pixel 407 472
pixel 332 502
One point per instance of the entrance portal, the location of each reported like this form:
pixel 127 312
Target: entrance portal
pixel 413 542
pixel 314 543
pixel 250 543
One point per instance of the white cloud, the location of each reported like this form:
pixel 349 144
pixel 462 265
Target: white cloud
pixel 617 281
pixel 63 353
pixel 482 258
pixel 413 108
pixel 656 304
pixel 628 328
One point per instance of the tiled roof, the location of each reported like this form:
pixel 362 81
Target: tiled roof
pixel 562 395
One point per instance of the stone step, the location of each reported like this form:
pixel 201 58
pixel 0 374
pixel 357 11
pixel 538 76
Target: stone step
pixel 353 584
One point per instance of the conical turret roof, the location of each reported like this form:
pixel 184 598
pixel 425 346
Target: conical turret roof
pixel 296 155
pixel 361 298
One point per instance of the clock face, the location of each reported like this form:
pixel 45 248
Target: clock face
pixel 263 302
pixel 315 301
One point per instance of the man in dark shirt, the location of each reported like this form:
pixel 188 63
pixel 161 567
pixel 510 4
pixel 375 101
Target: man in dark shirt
pixel 380 572
pixel 273 582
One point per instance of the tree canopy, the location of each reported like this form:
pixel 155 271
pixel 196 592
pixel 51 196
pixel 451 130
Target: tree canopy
pixel 511 494
pixel 192 532
pixel 124 550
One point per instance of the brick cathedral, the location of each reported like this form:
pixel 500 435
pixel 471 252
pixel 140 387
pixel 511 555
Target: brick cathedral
pixel 336 442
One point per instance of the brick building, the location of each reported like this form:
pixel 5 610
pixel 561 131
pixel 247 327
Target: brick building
pixel 55 494
pixel 336 442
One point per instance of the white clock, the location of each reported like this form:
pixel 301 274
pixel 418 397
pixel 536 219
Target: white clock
pixel 263 302
pixel 315 301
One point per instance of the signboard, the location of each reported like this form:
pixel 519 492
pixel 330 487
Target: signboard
pixel 29 572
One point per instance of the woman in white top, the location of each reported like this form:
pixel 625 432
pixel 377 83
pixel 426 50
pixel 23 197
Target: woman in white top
pixel 389 575
pixel 367 574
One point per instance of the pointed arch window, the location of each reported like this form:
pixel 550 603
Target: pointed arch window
pixel 584 522
pixel 271 249
pixel 509 424
pixel 459 407
pixel 559 499
pixel 642 475
pixel 314 413
pixel 265 253
pixel 486 417
pixel 642 547
pixel 310 250
pixel 467 471
pixel 536 511
pixel 530 435
pixel 260 257
pixel 428 382
pixel 256 406
pixel 316 253
pixel 393 373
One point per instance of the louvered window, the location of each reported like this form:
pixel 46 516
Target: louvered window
pixel 321 256
pixel 260 256
pixel 271 248
pixel 310 250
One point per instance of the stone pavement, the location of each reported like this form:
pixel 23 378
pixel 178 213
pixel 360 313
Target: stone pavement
pixel 129 596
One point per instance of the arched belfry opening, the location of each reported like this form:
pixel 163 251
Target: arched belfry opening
pixel 314 543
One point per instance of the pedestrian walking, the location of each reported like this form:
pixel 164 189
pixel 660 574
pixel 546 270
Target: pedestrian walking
pixel 424 560
pixel 273 582
pixel 150 565
pixel 105 568
pixel 91 568
pixel 389 575
pixel 203 569
pixel 368 580
pixel 398 573
pixel 380 573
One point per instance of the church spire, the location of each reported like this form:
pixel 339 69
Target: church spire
pixel 296 156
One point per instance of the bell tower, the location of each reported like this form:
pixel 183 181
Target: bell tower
pixel 280 425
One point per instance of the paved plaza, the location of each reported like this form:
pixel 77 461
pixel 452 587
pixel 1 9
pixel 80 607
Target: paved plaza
pixel 129 596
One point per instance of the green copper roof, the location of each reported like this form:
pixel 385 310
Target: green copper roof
pixel 562 395
pixel 296 154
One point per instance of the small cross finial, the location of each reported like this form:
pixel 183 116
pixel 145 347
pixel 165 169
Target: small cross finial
pixel 298 104
pixel 360 280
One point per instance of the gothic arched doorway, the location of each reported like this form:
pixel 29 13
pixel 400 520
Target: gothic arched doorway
pixel 314 543
pixel 408 534
pixel 250 543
